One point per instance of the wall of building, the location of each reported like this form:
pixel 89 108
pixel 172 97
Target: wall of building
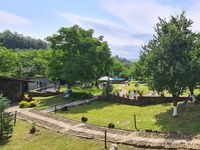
pixel 37 81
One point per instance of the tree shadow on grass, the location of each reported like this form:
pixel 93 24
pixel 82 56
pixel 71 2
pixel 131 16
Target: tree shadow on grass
pixel 4 141
pixel 187 121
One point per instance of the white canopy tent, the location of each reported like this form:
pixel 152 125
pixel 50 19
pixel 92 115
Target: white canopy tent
pixel 105 78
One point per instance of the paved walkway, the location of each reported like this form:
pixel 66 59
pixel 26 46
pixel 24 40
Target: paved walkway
pixel 71 127
pixel 69 105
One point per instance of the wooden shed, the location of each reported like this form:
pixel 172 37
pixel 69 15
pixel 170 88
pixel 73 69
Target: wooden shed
pixel 13 88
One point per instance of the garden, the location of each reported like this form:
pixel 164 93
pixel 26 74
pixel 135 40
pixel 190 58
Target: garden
pixel 47 139
pixel 154 117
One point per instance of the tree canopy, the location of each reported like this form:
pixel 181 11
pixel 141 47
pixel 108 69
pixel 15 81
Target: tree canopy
pixel 77 55
pixel 18 41
pixel 168 59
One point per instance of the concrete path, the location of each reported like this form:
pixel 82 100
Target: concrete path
pixel 136 138
pixel 69 105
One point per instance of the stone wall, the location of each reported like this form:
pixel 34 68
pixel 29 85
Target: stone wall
pixel 142 100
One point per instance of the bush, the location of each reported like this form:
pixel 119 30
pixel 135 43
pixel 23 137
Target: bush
pixel 24 104
pixel 84 119
pixel 33 128
pixel 81 95
pixel 136 84
pixel 111 125
pixel 115 91
pixel 33 103
pixel 141 93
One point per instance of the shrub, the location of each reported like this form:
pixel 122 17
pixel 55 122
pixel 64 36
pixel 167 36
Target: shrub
pixel 33 103
pixel 81 95
pixel 33 128
pixel 111 125
pixel 115 91
pixel 127 95
pixel 136 84
pixel 84 119
pixel 140 93
pixel 24 104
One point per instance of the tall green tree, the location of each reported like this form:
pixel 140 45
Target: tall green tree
pixel 32 63
pixel 192 74
pixel 166 55
pixel 8 62
pixel 117 67
pixel 6 127
pixel 77 55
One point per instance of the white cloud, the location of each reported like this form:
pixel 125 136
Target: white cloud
pixel 114 33
pixel 9 19
pixel 140 15
pixel 193 12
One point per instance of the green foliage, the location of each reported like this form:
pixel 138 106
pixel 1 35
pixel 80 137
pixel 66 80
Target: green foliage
pixel 33 63
pixel 155 117
pixel 24 104
pixel 48 139
pixel 81 95
pixel 165 58
pixel 14 40
pixel 8 62
pixel 77 55
pixel 6 127
pixel 23 63
pixel 33 103
pixel 117 67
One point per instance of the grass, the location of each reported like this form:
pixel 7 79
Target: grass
pixel 79 93
pixel 131 87
pixel 47 139
pixel 156 117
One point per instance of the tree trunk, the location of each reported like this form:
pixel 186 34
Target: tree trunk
pixel 192 94
pixel 97 84
pixel 175 106
pixel 69 85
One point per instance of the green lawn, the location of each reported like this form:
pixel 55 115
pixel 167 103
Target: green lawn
pixel 48 140
pixel 156 117
pixel 79 93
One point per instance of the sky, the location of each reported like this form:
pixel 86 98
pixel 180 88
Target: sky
pixel 125 24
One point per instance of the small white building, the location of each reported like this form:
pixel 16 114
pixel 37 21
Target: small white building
pixel 38 82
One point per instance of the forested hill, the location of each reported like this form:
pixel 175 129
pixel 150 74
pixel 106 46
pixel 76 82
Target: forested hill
pixel 14 40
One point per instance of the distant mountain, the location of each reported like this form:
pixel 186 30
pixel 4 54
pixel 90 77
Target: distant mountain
pixel 14 40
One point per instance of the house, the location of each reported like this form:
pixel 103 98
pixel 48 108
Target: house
pixel 39 82
pixel 13 88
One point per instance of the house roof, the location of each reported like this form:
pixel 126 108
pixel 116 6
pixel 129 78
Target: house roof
pixel 14 79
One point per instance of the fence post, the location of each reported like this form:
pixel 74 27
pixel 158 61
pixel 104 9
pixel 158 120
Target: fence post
pixel 55 109
pixel 15 118
pixel 135 123
pixel 105 139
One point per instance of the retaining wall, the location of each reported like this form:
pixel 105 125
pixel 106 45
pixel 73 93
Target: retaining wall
pixel 142 100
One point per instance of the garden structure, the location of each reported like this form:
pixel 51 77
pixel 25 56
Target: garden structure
pixel 13 88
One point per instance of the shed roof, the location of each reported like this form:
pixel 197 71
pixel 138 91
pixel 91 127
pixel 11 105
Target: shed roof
pixel 14 79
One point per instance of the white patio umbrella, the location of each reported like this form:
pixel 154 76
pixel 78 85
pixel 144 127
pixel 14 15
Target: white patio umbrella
pixel 105 78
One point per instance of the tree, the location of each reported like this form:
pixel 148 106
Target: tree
pixel 166 55
pixel 6 128
pixel 192 74
pixel 77 55
pixel 117 67
pixel 18 41
pixel 32 63
pixel 8 62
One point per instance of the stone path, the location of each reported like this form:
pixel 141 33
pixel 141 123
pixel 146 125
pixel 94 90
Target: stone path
pixel 136 138
pixel 69 105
